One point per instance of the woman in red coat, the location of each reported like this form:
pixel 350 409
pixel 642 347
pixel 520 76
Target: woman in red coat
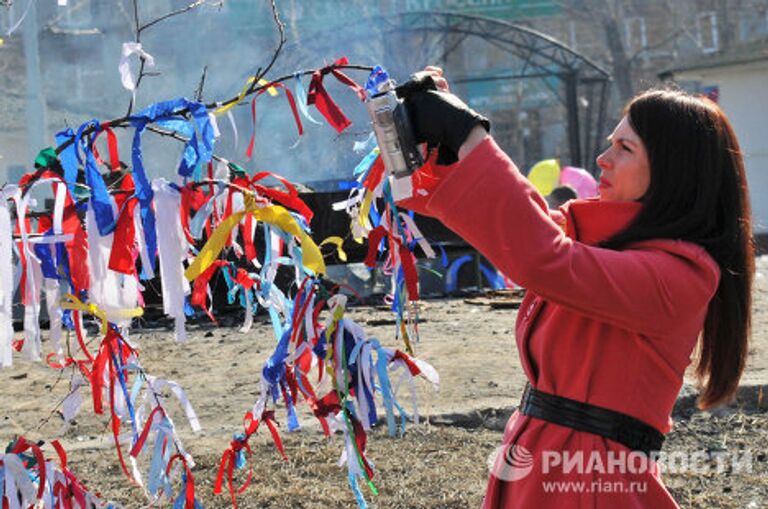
pixel 621 290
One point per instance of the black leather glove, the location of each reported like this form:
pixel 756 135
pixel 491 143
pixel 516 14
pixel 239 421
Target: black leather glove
pixel 441 119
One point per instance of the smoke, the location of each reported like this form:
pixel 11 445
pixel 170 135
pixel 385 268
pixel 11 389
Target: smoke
pixel 80 47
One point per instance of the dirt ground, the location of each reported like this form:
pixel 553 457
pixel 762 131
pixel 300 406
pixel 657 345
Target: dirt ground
pixel 438 464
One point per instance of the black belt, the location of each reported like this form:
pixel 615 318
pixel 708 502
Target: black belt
pixel 616 426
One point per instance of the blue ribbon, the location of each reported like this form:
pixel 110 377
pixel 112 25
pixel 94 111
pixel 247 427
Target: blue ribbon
pixel 385 386
pixel 68 158
pixel 165 113
pixel 119 369
pixel 160 457
pixel 100 200
pixel 301 100
pixel 356 488
pixel 181 498
pixel 365 164
pixel 377 76
pixel 274 369
pixel 47 265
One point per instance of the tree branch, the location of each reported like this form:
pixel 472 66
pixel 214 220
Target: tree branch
pixel 125 120
pixel 200 85
pixel 677 33
pixel 281 30
pixel 139 28
pixel 193 5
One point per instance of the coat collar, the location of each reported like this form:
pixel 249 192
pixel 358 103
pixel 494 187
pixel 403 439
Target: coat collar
pixel 592 221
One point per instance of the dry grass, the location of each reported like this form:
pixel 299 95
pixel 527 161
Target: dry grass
pixel 441 467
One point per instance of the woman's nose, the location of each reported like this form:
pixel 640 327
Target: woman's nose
pixel 602 160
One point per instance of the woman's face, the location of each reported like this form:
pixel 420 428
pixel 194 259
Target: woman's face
pixel 626 172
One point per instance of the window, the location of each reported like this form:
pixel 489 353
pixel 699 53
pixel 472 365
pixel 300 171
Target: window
pixel 706 30
pixel 634 34
pixel 753 25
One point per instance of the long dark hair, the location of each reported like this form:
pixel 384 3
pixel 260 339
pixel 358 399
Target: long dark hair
pixel 698 193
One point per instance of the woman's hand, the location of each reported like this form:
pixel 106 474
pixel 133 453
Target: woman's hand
pixel 437 76
pixel 441 119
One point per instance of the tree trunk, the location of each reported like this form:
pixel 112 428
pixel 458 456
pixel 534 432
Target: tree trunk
pixel 622 71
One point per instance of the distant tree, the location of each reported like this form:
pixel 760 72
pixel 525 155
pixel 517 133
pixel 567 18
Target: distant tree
pixel 608 18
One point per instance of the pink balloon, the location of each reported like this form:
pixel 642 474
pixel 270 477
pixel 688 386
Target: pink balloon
pixel 580 180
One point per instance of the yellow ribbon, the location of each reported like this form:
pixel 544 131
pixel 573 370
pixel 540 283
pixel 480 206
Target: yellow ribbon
pixel 362 217
pixel 339 242
pixel 274 215
pixel 338 314
pixel 69 301
pixel 223 109
pixel 270 90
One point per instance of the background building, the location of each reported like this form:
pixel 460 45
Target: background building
pixel 59 69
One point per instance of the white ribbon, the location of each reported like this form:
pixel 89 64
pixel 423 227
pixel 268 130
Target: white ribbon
pixel 139 238
pixel 411 224
pixel 172 249
pixel 53 305
pixel 6 280
pixel 126 76
pixel 72 403
pixel 17 480
pixel 248 321
pixel 157 384
pixel 234 127
pixel 109 290
pixel 33 280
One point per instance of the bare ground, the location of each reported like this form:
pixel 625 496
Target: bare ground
pixel 442 463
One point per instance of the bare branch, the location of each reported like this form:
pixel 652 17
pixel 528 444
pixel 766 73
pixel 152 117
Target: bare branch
pixel 674 35
pixel 193 5
pixel 139 28
pixel 200 85
pixel 124 121
pixel 281 29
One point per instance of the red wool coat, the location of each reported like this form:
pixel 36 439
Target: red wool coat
pixel 610 328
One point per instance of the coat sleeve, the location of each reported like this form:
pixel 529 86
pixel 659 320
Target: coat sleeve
pixel 654 288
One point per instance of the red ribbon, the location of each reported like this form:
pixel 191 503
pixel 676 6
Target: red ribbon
pixel 65 492
pixel 189 501
pixel 139 445
pixel 374 175
pixel 374 239
pixel 21 446
pixel 361 439
pixel 122 258
pixel 318 96
pixel 191 198
pixel 228 460
pixel 200 287
pixel 290 199
pixel 114 156
pixel 229 457
pixel 247 232
pixel 291 102
pixel 412 367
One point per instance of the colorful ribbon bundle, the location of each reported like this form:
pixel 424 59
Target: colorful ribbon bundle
pixel 138 403
pixel 27 479
pixel 90 254
pixel 391 234
pixel 351 370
